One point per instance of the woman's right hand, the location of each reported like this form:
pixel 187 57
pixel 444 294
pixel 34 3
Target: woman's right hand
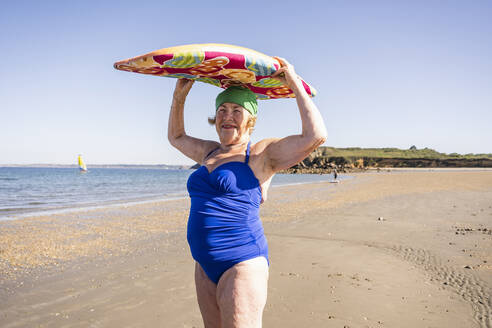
pixel 182 88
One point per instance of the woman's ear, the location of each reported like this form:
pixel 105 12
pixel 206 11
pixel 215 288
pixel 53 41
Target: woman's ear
pixel 251 123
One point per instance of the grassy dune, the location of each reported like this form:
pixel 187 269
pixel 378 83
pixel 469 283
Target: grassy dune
pixel 325 159
pixel 427 153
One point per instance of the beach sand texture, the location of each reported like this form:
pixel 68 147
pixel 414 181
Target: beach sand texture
pixel 388 249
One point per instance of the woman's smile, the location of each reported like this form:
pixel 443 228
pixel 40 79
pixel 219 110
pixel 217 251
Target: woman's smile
pixel 228 126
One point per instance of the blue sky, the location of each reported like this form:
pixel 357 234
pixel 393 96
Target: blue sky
pixel 388 74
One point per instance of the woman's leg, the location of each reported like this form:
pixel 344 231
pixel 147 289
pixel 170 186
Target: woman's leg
pixel 242 293
pixel 207 298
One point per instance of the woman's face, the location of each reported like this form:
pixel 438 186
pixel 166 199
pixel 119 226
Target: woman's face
pixel 231 123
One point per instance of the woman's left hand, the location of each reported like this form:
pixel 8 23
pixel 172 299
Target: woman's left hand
pixel 286 74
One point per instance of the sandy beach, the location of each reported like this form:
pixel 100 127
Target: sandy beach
pixel 384 249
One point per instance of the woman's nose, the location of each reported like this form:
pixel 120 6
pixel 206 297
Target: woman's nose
pixel 227 115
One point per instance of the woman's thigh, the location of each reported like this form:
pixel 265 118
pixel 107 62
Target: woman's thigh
pixel 207 298
pixel 242 294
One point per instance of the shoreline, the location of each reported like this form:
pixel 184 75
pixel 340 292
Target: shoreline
pixel 352 170
pixel 136 201
pixel 123 202
pixel 433 169
pixel 398 249
pixel 77 208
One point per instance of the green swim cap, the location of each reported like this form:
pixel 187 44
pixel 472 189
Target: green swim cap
pixel 238 95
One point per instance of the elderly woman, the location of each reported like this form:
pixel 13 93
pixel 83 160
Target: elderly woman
pixel 225 233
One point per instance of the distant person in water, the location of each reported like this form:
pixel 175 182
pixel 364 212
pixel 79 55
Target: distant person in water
pixel 225 232
pixel 335 174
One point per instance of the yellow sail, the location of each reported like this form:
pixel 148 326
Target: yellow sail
pixel 82 165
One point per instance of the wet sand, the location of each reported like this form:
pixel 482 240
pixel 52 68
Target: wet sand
pixel 398 249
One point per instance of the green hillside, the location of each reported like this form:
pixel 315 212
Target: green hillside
pixel 356 152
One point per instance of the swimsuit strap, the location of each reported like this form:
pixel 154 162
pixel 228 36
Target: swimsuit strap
pixel 213 150
pixel 246 160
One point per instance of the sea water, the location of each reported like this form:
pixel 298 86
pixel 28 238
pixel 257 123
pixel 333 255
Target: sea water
pixel 28 191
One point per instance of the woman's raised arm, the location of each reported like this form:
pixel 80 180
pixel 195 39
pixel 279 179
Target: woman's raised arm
pixel 286 152
pixel 194 148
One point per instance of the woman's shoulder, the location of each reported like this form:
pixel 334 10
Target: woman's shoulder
pixel 262 145
pixel 211 145
pixel 208 148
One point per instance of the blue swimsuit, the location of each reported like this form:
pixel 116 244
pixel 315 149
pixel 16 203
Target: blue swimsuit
pixel 224 226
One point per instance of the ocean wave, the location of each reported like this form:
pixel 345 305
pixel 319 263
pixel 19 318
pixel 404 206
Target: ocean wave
pixel 8 179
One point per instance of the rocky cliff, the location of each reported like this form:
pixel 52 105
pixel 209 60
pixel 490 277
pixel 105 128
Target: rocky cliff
pixel 316 162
